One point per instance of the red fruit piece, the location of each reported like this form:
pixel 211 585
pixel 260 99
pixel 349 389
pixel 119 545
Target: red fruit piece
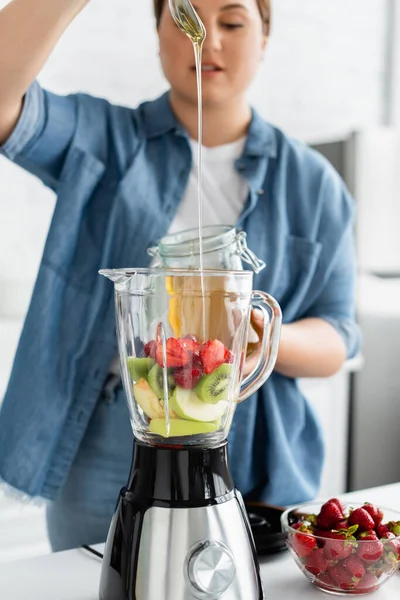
pixel 150 349
pixel 228 357
pixel 339 545
pixel 330 514
pixel 382 529
pixel 187 378
pixel 176 355
pixel 343 524
pixel 317 562
pixel 342 578
pixel 212 355
pixel 303 543
pixel 375 513
pixel 394 527
pixel 370 548
pixel 192 346
pixel 368 582
pixel 354 565
pixel 362 518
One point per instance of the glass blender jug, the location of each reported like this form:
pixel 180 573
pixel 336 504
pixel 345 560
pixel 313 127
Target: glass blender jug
pixel 180 529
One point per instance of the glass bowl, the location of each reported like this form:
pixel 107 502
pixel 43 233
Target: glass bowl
pixel 342 560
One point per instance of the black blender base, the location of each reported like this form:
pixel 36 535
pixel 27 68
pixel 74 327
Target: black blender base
pixel 179 514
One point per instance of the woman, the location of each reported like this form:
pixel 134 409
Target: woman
pixel 123 179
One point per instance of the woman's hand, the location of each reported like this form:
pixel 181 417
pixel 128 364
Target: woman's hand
pixel 308 348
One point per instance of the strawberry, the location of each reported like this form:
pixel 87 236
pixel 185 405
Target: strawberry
pixel 190 344
pixel 370 548
pixel 338 503
pixel 343 524
pixel 303 543
pixel 375 513
pixel 340 544
pixel 330 514
pixel 342 578
pixel 317 562
pixel 391 543
pixel 362 518
pixel 367 583
pixel 212 355
pixel 354 565
pixel 382 529
pixel 150 349
pixel 228 357
pixel 394 527
pixel 187 378
pixel 176 355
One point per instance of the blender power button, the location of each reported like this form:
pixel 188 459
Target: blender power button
pixel 211 569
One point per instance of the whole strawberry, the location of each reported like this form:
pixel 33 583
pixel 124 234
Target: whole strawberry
pixel 367 583
pixel 339 545
pixel 330 514
pixel 342 578
pixel 394 527
pixel 354 565
pixel 375 513
pixel 362 518
pixel 303 542
pixel 317 562
pixel 370 547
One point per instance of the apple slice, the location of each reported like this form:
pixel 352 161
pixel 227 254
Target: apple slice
pixel 147 400
pixel 187 405
pixel 180 427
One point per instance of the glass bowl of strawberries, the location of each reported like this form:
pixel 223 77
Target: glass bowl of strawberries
pixel 344 548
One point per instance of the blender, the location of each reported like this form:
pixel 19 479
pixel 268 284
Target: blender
pixel 180 529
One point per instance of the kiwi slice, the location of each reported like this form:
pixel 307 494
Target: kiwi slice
pixel 215 387
pixel 156 381
pixel 139 367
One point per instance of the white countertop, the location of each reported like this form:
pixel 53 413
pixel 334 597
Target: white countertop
pixel 75 575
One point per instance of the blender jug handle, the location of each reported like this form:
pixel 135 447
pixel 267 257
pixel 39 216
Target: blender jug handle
pixel 270 343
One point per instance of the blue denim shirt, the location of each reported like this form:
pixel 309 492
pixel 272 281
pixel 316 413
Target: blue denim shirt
pixel 119 175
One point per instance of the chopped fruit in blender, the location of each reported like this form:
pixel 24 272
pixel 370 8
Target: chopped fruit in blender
pixel 147 400
pixel 229 357
pixel 187 378
pixel 215 387
pixel 150 349
pixel 212 355
pixel 156 381
pixel 139 367
pixel 190 344
pixel 188 405
pixel 179 427
pixel 176 355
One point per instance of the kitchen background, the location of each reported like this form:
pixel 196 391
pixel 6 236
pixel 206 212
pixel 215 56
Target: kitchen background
pixel 332 78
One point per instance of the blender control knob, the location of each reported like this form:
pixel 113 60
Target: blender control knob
pixel 211 569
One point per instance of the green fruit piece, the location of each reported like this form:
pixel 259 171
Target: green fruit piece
pixel 139 367
pixel 187 405
pixel 180 427
pixel 215 387
pixel 147 400
pixel 156 381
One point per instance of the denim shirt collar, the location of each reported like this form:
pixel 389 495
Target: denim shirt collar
pixel 261 138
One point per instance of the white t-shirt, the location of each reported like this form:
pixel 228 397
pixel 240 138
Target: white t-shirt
pixel 224 191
